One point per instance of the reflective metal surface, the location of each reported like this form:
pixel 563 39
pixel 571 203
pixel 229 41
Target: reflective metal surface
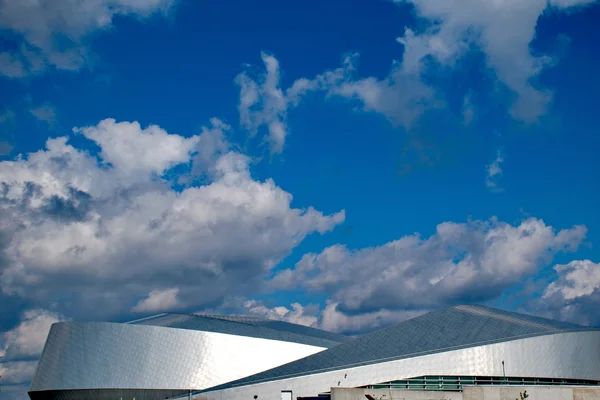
pixel 109 355
pixel 447 329
pixel 573 355
pixel 247 326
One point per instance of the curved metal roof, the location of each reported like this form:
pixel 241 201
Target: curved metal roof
pixel 438 331
pixel 246 326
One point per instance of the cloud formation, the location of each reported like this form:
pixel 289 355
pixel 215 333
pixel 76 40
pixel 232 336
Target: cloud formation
pixel 49 33
pixel 575 294
pixel 263 103
pixel 44 113
pixel 159 300
pixel 462 262
pixel 494 172
pixel 328 317
pixel 27 339
pixel 503 30
pixel 84 228
pixel 20 345
pixel 296 314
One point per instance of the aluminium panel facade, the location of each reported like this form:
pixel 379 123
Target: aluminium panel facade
pixel 98 355
pixel 572 355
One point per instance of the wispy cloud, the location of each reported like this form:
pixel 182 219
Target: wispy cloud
pixel 468 110
pixel 494 172
pixel 44 113
pixel 7 118
pixel 263 103
pixel 52 33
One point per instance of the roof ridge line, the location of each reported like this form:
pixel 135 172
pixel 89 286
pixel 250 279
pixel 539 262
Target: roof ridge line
pixel 489 313
pixel 387 359
pixel 145 318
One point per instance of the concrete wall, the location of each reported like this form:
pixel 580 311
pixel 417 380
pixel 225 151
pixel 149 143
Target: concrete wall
pixel 472 393
pixel 394 394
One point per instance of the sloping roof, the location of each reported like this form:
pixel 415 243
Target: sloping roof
pixel 246 326
pixel 442 330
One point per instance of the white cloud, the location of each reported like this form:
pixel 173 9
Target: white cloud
pixel 158 300
pixel 576 279
pixel 329 318
pixel 333 320
pixel 263 102
pixel 472 261
pixel 113 230
pixel 17 372
pixel 53 33
pixel 401 96
pixel 17 348
pixel 494 172
pixel 212 144
pixel 135 152
pixel 296 314
pixel 27 339
pixel 502 29
pixel 575 294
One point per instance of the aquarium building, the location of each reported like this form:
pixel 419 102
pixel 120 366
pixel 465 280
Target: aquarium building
pixel 461 352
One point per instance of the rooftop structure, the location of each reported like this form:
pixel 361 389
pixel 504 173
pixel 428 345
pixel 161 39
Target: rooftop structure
pixel 212 357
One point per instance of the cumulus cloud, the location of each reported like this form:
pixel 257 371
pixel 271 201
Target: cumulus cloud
pixel 461 262
pixel 136 153
pixel 575 294
pixel 17 348
pixel 28 337
pixel 17 372
pixel 503 30
pixel 334 320
pixel 83 228
pixel 296 314
pixel 328 318
pixel 494 172
pixel 158 300
pixel 53 33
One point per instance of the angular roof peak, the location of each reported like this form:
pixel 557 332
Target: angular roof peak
pixel 246 326
pixel 442 330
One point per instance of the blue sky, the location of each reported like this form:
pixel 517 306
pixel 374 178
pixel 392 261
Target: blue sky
pixel 435 155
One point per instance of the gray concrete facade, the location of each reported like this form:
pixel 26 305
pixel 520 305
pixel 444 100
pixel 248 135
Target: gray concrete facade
pixel 473 393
